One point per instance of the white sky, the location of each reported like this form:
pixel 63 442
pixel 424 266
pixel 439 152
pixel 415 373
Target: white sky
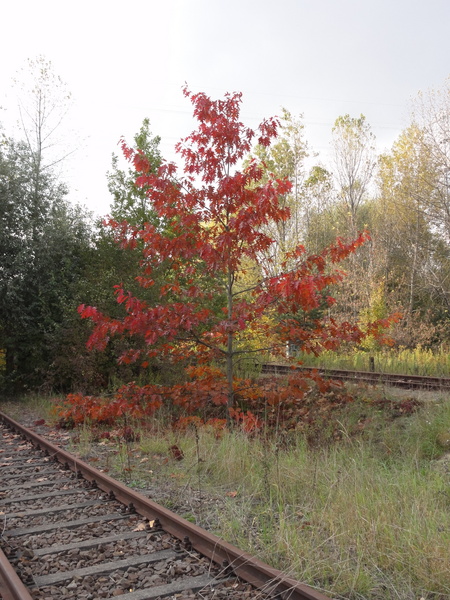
pixel 127 61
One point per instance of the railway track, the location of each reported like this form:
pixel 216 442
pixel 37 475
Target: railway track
pixel 369 377
pixel 71 532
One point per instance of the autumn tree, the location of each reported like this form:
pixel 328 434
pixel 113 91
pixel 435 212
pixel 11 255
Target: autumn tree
pixel 204 315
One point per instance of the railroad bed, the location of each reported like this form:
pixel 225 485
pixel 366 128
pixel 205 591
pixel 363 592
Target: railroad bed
pixel 72 532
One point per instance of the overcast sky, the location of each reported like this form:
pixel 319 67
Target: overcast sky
pixel 320 58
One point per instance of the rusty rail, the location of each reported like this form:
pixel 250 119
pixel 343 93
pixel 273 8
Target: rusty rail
pixel 374 378
pixel 11 587
pixel 243 564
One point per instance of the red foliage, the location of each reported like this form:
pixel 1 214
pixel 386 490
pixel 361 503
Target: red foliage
pixel 130 400
pixel 248 421
pixel 215 216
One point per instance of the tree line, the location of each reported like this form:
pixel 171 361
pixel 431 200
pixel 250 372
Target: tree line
pixel 55 257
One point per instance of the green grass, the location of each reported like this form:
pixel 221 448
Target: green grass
pixel 365 518
pixel 419 361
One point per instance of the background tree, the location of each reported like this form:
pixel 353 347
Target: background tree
pixel 43 103
pixel 354 165
pixel 413 257
pixel 42 246
pixel 130 202
pixel 43 240
pixel 285 159
pixel 432 116
pixel 355 161
pixel 320 211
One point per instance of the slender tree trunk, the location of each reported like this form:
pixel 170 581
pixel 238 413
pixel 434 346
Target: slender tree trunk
pixel 230 347
pixel 412 278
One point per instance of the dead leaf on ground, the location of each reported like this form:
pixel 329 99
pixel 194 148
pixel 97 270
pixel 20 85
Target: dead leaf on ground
pixel 176 452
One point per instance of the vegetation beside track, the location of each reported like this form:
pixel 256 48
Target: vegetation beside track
pixel 408 361
pixel 356 504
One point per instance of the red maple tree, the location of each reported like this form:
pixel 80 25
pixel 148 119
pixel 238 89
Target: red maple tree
pixel 216 296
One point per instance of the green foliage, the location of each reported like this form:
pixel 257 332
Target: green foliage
pixel 130 201
pixel 377 310
pixel 43 244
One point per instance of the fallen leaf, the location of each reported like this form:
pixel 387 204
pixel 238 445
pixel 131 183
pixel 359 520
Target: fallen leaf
pixel 176 452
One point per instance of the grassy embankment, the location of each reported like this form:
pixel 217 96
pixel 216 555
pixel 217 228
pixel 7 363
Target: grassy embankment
pixel 363 514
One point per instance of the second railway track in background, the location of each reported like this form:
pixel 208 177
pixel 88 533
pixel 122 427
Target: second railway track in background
pixel 70 532
pixel 369 377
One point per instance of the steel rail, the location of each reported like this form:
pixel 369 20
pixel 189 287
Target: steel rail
pixel 11 587
pixel 247 567
pixel 393 379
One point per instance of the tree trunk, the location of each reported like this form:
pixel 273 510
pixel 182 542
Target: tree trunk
pixel 229 354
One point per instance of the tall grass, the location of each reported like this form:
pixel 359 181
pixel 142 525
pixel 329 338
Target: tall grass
pixel 352 520
pixel 367 518
pixel 419 361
